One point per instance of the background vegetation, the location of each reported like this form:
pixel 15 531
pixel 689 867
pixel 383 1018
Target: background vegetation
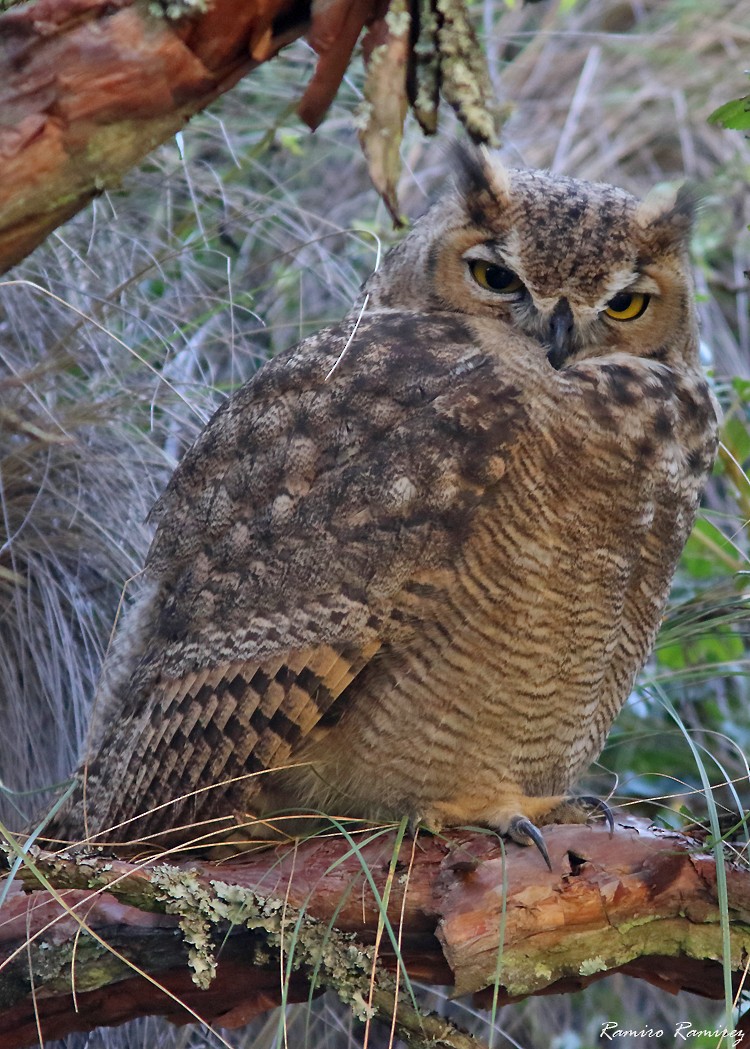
pixel 120 335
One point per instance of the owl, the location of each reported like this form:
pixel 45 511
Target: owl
pixel 412 568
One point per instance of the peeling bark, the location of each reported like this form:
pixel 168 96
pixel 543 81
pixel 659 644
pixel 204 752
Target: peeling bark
pixel 643 902
pixel 89 87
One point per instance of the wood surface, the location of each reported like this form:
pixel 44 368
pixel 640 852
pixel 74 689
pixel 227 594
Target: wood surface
pixel 642 902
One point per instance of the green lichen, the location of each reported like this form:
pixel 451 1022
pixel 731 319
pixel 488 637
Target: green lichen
pixel 327 956
pixel 335 957
pixel 186 897
pixel 83 964
pixel 591 966
pixel 465 80
pixel 426 69
pixel 174 10
pixel 398 18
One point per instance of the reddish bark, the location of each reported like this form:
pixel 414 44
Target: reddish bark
pixel 89 87
pixel 643 902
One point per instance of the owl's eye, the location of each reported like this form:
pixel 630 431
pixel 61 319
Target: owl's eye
pixel 494 278
pixel 627 305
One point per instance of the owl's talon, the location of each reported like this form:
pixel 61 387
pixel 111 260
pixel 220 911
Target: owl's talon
pixel 597 805
pixel 523 831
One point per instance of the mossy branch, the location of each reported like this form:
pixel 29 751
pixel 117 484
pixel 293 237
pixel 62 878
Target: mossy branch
pixel 216 937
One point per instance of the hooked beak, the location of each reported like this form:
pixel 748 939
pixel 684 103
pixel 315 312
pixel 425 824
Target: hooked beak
pixel 560 334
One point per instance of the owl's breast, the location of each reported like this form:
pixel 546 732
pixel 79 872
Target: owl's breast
pixel 526 643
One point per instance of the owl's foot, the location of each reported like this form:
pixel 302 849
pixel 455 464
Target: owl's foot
pixel 523 831
pixel 519 829
pixel 513 815
pixel 594 805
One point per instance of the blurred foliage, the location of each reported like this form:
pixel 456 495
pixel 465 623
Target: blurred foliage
pixel 246 233
pixel 734 114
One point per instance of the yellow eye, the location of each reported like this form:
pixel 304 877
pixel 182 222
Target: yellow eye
pixel 494 278
pixel 627 305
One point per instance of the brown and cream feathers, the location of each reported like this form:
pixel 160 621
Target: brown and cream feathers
pixel 414 565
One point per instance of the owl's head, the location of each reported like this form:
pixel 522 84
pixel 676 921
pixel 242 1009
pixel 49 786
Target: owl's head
pixel 583 268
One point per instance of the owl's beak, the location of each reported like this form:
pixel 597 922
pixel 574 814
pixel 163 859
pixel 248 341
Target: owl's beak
pixel 561 325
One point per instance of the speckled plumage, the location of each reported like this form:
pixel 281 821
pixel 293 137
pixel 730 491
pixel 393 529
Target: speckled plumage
pixel 423 583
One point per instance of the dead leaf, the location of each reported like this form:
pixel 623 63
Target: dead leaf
pixel 334 30
pixel 382 113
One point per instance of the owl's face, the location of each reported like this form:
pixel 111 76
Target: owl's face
pixel 584 269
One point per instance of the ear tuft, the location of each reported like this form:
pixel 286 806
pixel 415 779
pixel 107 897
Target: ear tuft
pixel 482 179
pixel 666 216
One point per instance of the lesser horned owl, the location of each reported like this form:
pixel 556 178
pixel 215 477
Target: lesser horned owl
pixel 414 565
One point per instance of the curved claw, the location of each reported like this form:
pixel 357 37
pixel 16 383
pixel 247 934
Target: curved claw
pixel 521 828
pixel 596 804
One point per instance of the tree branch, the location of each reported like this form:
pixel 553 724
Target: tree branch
pixel 643 902
pixel 89 87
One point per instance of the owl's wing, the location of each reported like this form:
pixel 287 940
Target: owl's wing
pixel 310 501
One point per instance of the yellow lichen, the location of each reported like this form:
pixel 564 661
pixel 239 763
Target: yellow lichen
pixel 174 10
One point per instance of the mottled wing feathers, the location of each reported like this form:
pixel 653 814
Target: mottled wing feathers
pixel 298 535
pixel 308 502
pixel 204 741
